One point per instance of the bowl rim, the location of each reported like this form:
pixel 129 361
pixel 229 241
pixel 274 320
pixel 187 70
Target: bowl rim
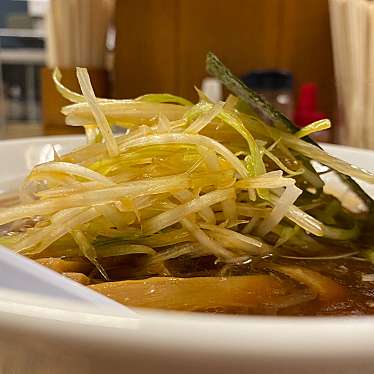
pixel 196 333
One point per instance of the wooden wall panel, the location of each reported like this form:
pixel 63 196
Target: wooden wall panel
pixel 305 47
pixel 243 33
pixel 145 47
pixel 161 44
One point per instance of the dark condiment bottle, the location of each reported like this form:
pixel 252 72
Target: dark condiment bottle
pixel 275 86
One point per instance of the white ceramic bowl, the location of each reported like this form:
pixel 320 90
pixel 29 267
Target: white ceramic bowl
pixel 39 335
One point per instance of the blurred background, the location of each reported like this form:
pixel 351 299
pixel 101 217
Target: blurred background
pixel 310 58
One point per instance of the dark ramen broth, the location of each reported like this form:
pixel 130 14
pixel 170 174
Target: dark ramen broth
pixel 346 272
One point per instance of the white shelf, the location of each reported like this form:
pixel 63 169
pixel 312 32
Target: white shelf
pixel 21 33
pixel 22 56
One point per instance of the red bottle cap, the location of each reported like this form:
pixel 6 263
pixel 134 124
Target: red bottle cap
pixel 306 107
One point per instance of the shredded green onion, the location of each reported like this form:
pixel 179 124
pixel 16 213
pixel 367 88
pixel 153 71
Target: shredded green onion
pixel 204 179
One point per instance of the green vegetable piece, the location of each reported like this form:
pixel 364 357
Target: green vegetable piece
pixel 215 67
pixel 164 98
